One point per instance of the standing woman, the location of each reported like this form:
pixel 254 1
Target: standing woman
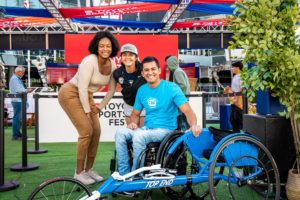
pixel 130 78
pixel 76 98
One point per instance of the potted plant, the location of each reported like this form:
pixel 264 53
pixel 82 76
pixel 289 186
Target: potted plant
pixel 266 31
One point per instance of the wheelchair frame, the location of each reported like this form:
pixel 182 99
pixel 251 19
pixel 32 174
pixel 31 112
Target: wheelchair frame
pixel 158 177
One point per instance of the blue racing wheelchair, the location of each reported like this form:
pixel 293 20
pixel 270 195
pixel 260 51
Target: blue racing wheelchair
pixel 189 167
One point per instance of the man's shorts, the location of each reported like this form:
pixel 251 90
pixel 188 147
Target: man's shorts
pixel 128 110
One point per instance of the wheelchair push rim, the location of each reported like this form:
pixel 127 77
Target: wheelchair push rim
pixel 247 164
pixel 182 161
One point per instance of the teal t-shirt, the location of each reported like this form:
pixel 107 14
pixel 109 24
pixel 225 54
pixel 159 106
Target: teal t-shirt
pixel 161 104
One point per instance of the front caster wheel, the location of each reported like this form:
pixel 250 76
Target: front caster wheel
pixel 62 188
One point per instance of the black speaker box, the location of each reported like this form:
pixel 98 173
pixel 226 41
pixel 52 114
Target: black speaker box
pixel 276 134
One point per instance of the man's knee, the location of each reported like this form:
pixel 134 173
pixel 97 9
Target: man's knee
pixel 139 138
pixel 121 134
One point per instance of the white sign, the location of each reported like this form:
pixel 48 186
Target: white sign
pixel 55 126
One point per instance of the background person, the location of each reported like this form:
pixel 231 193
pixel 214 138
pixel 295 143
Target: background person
pixel 130 78
pixel 161 100
pixel 16 86
pixel 40 64
pixel 236 113
pixel 169 73
pixel 2 76
pixel 180 78
pixel 76 98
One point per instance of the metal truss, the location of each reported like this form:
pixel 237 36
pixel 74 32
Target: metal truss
pixel 49 28
pixel 84 28
pixel 208 29
pixel 65 25
pixel 52 7
pixel 173 14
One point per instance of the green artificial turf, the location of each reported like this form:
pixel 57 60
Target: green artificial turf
pixel 60 160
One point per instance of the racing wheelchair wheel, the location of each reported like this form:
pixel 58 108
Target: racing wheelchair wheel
pixel 247 164
pixel 60 188
pixel 183 162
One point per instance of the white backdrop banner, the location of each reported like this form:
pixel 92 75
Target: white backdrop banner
pixel 55 126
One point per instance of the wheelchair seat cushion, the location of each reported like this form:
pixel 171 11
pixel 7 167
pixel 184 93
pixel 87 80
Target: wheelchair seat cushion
pixel 219 134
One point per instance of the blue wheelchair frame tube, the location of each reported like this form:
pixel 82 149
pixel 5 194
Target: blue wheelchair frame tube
pixel 111 185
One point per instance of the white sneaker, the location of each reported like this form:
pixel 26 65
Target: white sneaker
pixel 84 178
pixel 94 175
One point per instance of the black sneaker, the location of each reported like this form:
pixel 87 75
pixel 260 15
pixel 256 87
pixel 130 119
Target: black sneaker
pixel 129 194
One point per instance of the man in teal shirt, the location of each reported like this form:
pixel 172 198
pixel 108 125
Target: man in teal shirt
pixel 161 100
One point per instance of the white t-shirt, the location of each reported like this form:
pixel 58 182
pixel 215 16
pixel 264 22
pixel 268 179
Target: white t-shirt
pixel 236 84
pixel 41 64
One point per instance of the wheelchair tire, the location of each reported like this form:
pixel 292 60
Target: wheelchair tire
pixel 165 145
pixel 60 188
pixel 183 162
pixel 248 164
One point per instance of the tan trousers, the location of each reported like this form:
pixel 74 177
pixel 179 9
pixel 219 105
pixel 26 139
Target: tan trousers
pixel 89 135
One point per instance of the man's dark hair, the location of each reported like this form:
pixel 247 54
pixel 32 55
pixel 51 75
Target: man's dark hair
pixel 238 64
pixel 166 58
pixel 93 47
pixel 150 59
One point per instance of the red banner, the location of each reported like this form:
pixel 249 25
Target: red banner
pixel 200 23
pixel 160 46
pixel 25 21
pixel 60 75
pixel 212 1
pixel 113 10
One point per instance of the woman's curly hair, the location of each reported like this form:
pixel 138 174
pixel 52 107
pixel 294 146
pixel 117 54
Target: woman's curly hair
pixel 93 47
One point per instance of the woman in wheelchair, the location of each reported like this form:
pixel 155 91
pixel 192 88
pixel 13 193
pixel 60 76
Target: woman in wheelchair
pixel 161 100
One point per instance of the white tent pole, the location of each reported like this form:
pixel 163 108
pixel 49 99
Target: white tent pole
pixel 28 67
pixel 87 3
pixel 96 2
pixel 54 55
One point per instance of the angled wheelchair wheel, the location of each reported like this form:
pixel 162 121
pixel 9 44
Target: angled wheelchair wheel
pixel 165 145
pixel 183 162
pixel 250 171
pixel 62 188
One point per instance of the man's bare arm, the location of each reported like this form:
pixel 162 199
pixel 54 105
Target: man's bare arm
pixel 134 119
pixel 191 118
